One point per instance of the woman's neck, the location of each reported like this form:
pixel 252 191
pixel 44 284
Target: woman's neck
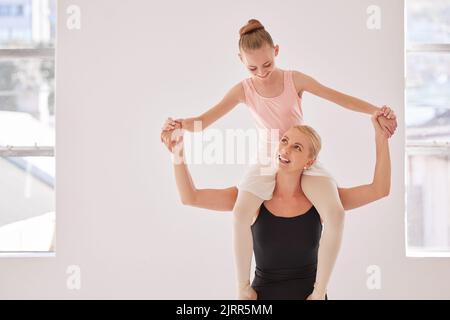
pixel 288 184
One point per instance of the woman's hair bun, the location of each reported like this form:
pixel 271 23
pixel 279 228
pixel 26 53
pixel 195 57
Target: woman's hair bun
pixel 251 25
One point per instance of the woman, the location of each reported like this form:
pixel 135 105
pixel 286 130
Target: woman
pixel 287 229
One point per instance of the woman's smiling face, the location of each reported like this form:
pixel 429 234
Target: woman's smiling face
pixel 294 151
pixel 260 62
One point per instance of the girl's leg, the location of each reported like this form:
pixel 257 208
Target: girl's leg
pixel 323 193
pixel 245 209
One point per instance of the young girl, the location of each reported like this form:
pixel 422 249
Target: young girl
pixel 274 98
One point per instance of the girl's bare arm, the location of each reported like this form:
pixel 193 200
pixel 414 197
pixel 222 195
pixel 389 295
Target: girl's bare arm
pixel 309 84
pixel 231 99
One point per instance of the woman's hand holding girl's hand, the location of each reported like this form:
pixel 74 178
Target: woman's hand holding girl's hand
pixel 388 112
pixel 171 124
pixel 171 138
pixel 387 120
pixel 379 131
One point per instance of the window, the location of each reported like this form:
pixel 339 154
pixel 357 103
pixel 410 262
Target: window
pixel 11 10
pixel 27 126
pixel 427 113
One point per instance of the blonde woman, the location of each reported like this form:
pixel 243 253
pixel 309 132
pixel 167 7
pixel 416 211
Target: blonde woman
pixel 287 229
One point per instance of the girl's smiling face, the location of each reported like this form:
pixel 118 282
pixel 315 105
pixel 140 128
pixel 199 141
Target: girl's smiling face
pixel 260 62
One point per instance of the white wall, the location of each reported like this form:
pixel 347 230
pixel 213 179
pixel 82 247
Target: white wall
pixel 132 64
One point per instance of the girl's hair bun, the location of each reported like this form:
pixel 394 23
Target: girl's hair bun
pixel 251 25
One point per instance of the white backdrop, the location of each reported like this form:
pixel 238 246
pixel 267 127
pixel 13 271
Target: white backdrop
pixel 132 64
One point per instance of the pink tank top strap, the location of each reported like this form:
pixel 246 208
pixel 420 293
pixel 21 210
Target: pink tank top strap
pixel 290 82
pixel 247 89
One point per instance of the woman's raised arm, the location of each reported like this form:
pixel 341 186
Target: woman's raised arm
pixel 213 199
pixel 358 196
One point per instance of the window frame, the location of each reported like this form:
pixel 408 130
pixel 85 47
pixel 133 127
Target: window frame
pixel 414 146
pixel 27 151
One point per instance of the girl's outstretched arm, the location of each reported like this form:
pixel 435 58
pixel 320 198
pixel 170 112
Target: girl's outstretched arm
pixel 213 199
pixel 231 99
pixel 358 196
pixel 309 84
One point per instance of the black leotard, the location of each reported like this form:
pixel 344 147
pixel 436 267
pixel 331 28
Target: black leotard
pixel 286 254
